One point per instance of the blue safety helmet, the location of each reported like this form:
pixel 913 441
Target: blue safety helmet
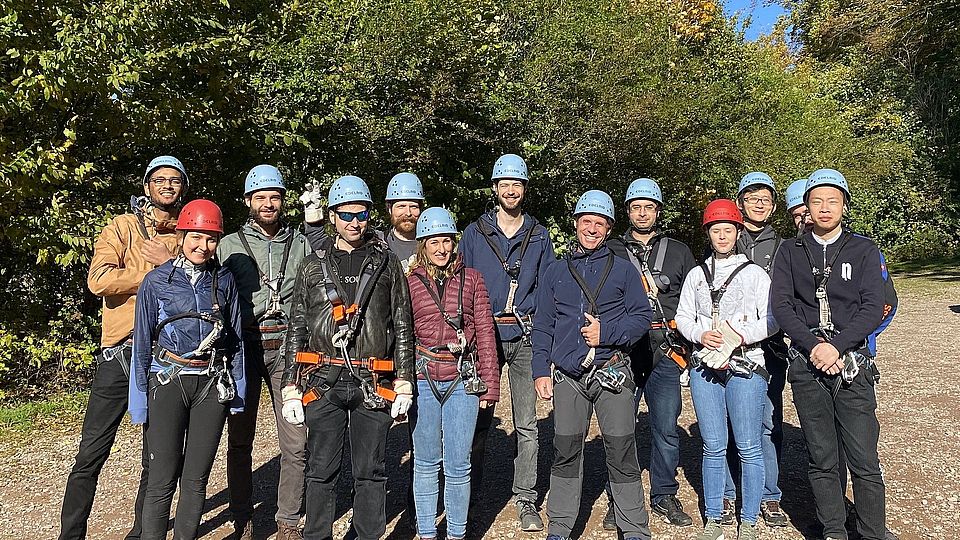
pixel 644 188
pixel 795 193
pixel 595 202
pixel 510 166
pixel 167 161
pixel 405 186
pixel 263 177
pixel 348 189
pixel 435 220
pixel 826 177
pixel 757 178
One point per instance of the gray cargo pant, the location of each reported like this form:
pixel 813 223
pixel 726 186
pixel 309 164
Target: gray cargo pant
pixel 573 404
pixel 241 429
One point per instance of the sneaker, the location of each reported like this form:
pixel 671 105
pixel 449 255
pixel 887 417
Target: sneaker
pixel 729 514
pixel 889 535
pixel 528 516
pixel 773 515
pixel 671 511
pixel 610 518
pixel 288 532
pixel 242 530
pixel 711 531
pixel 748 531
pixel 556 537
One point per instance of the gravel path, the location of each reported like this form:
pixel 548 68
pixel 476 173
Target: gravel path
pixel 920 450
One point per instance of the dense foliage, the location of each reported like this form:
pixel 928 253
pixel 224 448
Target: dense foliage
pixel 592 93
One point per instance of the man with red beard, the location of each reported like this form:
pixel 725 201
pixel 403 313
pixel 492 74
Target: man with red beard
pixel 404 203
pixel 263 257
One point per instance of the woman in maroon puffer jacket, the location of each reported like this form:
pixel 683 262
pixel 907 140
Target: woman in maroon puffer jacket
pixel 457 371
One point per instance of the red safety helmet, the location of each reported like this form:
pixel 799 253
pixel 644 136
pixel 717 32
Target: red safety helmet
pixel 722 210
pixel 200 215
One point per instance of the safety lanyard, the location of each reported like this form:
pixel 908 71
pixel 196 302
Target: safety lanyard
pixel 512 270
pixel 717 293
pixel 455 322
pixel 591 297
pixel 277 282
pixel 822 276
pixel 642 254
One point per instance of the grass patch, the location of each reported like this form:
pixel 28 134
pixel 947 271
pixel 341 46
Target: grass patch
pixel 17 418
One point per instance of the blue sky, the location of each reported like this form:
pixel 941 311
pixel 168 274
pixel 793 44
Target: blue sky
pixel 764 16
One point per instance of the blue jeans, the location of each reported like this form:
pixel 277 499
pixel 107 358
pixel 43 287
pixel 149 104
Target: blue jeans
pixel 660 387
pixel 743 401
pixel 442 434
pixel 772 441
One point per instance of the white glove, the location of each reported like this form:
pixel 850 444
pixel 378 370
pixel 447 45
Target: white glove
pixel 312 201
pixel 401 405
pixel 292 409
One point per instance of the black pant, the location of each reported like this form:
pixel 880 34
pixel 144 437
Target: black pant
pixel 328 420
pixel 849 420
pixel 184 424
pixel 105 410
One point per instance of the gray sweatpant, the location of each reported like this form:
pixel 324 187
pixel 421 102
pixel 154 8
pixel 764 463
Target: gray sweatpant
pixel 574 402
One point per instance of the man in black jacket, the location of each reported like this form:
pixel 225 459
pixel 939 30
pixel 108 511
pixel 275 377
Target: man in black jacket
pixel 828 313
pixel 757 200
pixel 664 262
pixel 349 353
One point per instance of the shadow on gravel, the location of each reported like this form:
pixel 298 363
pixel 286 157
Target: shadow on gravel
pixel 265 480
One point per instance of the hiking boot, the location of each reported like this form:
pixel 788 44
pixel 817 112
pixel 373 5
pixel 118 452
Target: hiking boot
pixel 671 511
pixel 610 518
pixel 711 531
pixel 556 537
pixel 288 532
pixel 889 535
pixel 773 515
pixel 242 530
pixel 748 531
pixel 729 513
pixel 528 516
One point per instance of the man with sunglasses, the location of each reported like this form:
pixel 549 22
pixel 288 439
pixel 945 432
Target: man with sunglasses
pixel 131 245
pixel 349 356
pixel 263 257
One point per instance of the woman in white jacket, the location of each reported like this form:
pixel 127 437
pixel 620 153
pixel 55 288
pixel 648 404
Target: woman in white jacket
pixel 724 309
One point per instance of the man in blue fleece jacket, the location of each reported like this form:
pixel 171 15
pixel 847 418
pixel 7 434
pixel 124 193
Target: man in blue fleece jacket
pixel 592 309
pixel 830 371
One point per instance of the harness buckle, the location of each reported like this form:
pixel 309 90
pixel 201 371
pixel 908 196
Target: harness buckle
pixel 610 378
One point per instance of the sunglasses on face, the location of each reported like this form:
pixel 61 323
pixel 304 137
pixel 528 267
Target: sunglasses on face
pixel 360 216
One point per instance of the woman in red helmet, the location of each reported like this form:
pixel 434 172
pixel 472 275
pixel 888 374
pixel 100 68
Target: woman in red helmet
pixel 724 310
pixel 186 370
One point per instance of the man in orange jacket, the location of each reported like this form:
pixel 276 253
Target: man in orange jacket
pixel 131 245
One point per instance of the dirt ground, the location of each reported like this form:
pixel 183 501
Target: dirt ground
pixel 920 451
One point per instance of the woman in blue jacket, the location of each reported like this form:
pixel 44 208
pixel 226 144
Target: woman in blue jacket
pixel 186 371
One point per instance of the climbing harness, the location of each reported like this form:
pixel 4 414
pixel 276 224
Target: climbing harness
pixel 460 352
pixel 673 345
pixel 205 355
pixel 274 310
pixel 825 329
pixel 738 364
pixel 508 315
pixel 591 296
pixel 347 319
pixel 610 376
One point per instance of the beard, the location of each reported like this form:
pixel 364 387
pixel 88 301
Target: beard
pixel 404 225
pixel 262 221
pixel 157 203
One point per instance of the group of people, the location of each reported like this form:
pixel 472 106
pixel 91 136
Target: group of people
pixel 353 329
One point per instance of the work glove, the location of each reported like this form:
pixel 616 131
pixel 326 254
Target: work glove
pixel 312 201
pixel 401 405
pixel 292 409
